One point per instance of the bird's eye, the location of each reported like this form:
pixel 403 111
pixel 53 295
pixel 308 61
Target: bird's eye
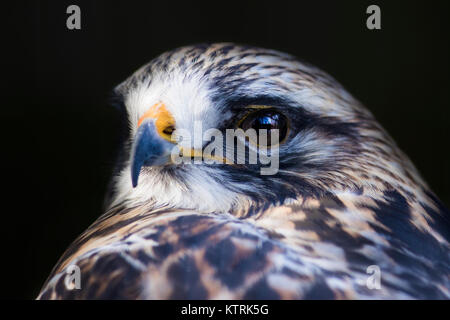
pixel 267 119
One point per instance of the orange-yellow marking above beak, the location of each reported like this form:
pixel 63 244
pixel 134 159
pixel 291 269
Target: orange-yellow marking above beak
pixel 164 121
pixel 165 125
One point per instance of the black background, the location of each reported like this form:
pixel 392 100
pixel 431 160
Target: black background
pixel 59 134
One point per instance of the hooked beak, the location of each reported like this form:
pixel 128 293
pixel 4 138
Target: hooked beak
pixel 152 144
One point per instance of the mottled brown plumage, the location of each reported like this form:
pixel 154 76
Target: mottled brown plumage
pixel 344 198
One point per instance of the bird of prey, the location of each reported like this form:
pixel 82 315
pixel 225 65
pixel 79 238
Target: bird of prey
pixel 345 216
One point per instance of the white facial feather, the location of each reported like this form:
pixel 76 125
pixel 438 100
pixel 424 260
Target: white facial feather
pixel 187 100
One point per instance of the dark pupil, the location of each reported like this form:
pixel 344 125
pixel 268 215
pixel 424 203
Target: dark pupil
pixel 267 120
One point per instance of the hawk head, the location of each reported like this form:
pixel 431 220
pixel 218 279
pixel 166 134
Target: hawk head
pixel 326 141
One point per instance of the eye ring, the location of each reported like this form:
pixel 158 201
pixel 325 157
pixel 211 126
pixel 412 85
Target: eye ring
pixel 265 117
